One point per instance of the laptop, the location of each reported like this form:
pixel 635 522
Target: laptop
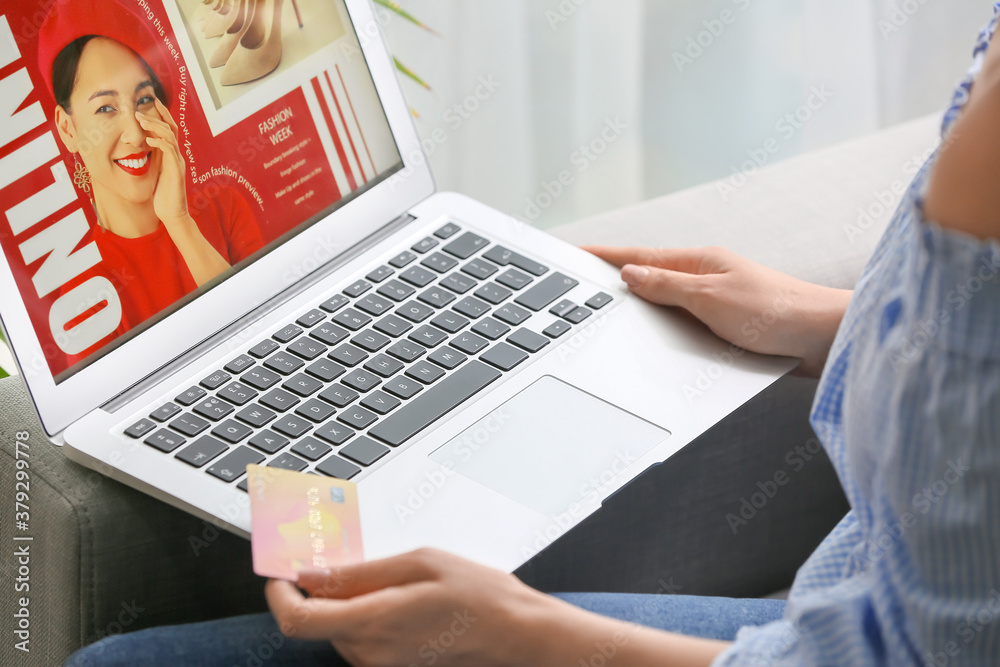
pixel 486 385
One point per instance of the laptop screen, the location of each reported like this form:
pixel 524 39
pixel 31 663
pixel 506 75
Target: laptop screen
pixel 151 149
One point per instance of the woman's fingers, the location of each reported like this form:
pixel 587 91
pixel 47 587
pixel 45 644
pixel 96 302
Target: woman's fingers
pixel 165 114
pixel 362 578
pixel 688 260
pixel 662 286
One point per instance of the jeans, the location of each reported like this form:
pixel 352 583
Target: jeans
pixel 255 641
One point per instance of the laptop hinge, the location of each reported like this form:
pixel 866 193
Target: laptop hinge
pixel 269 306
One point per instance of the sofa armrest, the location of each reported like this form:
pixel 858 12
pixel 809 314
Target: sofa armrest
pixel 104 558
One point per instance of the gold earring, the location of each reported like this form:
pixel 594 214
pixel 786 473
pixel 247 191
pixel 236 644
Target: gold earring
pixel 81 177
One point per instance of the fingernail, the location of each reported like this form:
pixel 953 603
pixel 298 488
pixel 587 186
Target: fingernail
pixel 634 276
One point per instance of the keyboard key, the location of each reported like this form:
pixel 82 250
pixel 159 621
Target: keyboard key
pixel 302 385
pixel 447 357
pixel 466 245
pixel 545 292
pixel 469 343
pixel 418 276
pixel 255 415
pixel 563 307
pixel 311 448
pixel 280 400
pixel 503 356
pixel 425 372
pixel 239 364
pixel 260 378
pixel 424 245
pixel 334 466
pixel 556 329
pixel 286 461
pixel 514 279
pixel 436 402
pixel 338 395
pixel 201 451
pixel 326 370
pixel 364 451
pixel 268 441
pixel 140 428
pixel 352 319
pixel 393 326
pixel 287 334
pixel 348 355
pixel 450 321
pixel 439 262
pixel 447 231
pixel 292 425
pixel 396 290
pixel 329 334
pixel 374 305
pixel 315 410
pixel 402 259
pixel 371 340
pixel 380 402
pixel 165 412
pixel 472 307
pixel 598 301
pixel 263 348
pixel 334 433
pixel 437 297
pixel 190 396
pixel 504 257
pixel 578 315
pixel 334 303
pixel 165 441
pixel 480 268
pixel 528 340
pixel 490 328
pixel 213 408
pixel 415 312
pixel 238 393
pixel 357 289
pixel 284 363
pixel 379 274
pixel 403 387
pixel 493 293
pixel 216 380
pixel 307 348
pixel 360 380
pixel 232 466
pixel 384 365
pixel 428 336
pixel 231 431
pixel 311 319
pixel 189 425
pixel 357 417
pixel 511 314
pixel 459 282
pixel 407 350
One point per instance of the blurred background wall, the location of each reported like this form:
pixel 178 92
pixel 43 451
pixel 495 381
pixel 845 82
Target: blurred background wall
pixel 552 110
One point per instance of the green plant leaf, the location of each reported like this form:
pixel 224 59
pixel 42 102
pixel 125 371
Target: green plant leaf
pixel 394 7
pixel 409 73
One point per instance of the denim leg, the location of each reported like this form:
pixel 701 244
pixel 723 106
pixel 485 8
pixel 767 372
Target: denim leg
pixel 707 617
pixel 241 641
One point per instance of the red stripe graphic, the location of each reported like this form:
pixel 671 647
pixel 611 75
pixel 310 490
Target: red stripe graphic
pixel 360 131
pixel 333 132
pixel 343 121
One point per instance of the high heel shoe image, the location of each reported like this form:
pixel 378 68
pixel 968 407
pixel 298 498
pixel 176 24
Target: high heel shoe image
pixel 258 52
pixel 217 23
pixel 233 35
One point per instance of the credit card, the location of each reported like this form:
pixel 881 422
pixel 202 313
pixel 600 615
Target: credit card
pixel 301 521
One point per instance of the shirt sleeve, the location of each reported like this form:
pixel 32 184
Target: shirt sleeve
pixel 243 237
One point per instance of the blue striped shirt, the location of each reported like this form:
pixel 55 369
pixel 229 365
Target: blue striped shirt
pixel 908 409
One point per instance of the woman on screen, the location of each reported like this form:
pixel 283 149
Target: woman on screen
pixel 112 90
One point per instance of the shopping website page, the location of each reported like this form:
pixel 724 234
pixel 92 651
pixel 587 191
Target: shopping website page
pixel 149 149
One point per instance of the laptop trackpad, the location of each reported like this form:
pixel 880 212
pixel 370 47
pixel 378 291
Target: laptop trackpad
pixel 550 446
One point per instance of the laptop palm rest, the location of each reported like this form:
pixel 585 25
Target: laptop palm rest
pixel 550 446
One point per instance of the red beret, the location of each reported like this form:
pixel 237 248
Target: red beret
pixel 68 20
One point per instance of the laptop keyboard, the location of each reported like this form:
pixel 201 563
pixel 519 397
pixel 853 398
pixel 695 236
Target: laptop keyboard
pixel 349 381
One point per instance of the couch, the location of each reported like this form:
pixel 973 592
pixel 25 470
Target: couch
pixel 106 559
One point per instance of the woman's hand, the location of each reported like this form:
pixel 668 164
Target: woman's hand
pixel 170 197
pixel 745 303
